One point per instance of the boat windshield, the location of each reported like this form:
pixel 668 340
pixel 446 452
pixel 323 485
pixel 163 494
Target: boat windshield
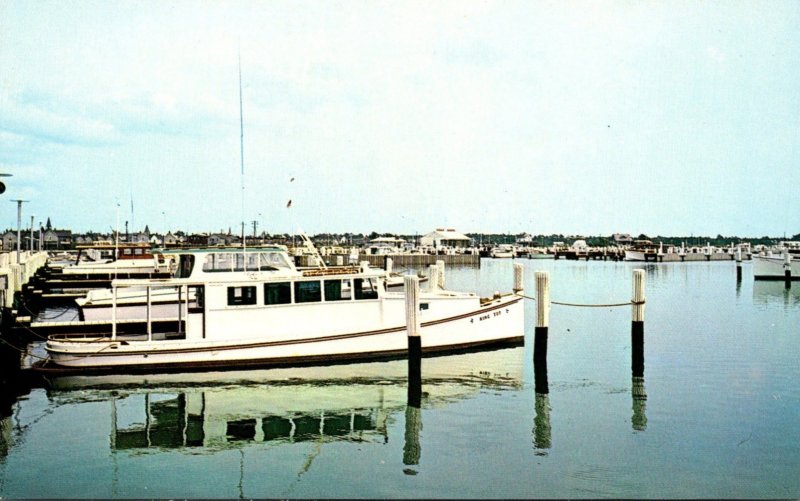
pixel 235 261
pixel 185 266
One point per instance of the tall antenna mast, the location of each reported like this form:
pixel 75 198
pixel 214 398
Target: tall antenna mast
pixel 241 152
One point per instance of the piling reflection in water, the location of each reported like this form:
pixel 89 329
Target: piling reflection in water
pixel 639 397
pixel 541 425
pixel 773 293
pixel 412 450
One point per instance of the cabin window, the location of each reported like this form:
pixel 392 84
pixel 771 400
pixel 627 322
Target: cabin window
pixel 423 306
pixel 218 261
pixel 138 252
pixel 365 288
pixel 347 289
pixel 127 252
pixel 241 295
pixel 277 293
pixel 307 292
pixel 269 261
pixel 185 266
pixel 334 291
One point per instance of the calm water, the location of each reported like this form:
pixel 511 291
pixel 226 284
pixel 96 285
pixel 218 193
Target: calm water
pixel 720 419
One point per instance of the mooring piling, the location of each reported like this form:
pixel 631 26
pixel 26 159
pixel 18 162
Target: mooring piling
pixel 411 284
pixel 518 278
pixel 540 333
pixel 739 264
pixel 440 274
pixel 787 268
pixel 637 324
pixel 433 277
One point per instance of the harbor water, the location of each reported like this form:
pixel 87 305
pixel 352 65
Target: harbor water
pixel 719 419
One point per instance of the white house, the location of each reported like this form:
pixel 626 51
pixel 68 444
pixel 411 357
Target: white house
pixel 445 237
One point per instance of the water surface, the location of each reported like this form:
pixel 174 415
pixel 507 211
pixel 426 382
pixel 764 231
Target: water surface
pixel 720 417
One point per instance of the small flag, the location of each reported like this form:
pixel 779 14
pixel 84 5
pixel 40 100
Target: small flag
pixel 289 204
pixel 292 179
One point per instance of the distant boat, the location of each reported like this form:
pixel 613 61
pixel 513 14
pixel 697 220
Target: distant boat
pixel 642 250
pixel 502 251
pixel 540 254
pixel 256 308
pixel 108 258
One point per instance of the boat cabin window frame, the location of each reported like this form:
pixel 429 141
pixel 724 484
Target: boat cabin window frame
pixel 307 291
pixel 216 262
pixel 186 263
pixel 335 290
pixel 365 288
pixel 242 295
pixel 277 293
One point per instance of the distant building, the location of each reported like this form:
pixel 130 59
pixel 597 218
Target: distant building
pixel 622 238
pixel 222 239
pixel 442 237
pixel 10 240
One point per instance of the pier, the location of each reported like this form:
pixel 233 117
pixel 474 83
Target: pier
pixel 16 270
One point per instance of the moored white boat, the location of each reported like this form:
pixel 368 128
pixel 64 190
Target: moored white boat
pixel 502 251
pixel 255 308
pixel 774 265
pixel 642 250
pixel 122 259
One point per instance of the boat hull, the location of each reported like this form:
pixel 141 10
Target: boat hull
pixel 499 322
pixel 772 268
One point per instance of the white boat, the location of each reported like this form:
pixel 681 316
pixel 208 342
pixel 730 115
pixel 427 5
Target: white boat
pixel 773 265
pixel 123 258
pixel 642 250
pixel 502 251
pixel 131 303
pixel 256 308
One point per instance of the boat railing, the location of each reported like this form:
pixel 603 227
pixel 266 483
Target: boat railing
pixel 182 286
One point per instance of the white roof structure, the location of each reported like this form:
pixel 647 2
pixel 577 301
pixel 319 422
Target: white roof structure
pixel 445 237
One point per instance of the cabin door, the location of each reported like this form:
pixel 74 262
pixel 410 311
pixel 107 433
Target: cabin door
pixel 196 313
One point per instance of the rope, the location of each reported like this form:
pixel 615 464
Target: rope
pixel 24 352
pixel 579 305
pixel 595 305
pixel 36 334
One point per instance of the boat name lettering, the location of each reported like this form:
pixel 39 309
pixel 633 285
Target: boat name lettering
pixel 490 315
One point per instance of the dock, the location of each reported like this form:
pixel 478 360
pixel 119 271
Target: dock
pixel 16 270
pixel 409 260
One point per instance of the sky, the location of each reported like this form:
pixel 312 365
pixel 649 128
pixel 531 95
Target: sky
pixel 574 117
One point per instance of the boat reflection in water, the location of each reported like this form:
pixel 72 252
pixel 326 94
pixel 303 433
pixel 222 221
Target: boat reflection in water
pixel 775 293
pixel 219 410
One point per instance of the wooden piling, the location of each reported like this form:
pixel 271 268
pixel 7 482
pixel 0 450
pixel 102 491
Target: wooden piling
pixel 739 264
pixel 540 332
pixel 411 284
pixel 787 268
pixel 433 277
pixel 440 275
pixel 518 278
pixel 637 324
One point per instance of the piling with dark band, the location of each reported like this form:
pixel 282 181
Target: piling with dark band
pixel 787 268
pixel 637 324
pixel 739 264
pixel 411 284
pixel 540 333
